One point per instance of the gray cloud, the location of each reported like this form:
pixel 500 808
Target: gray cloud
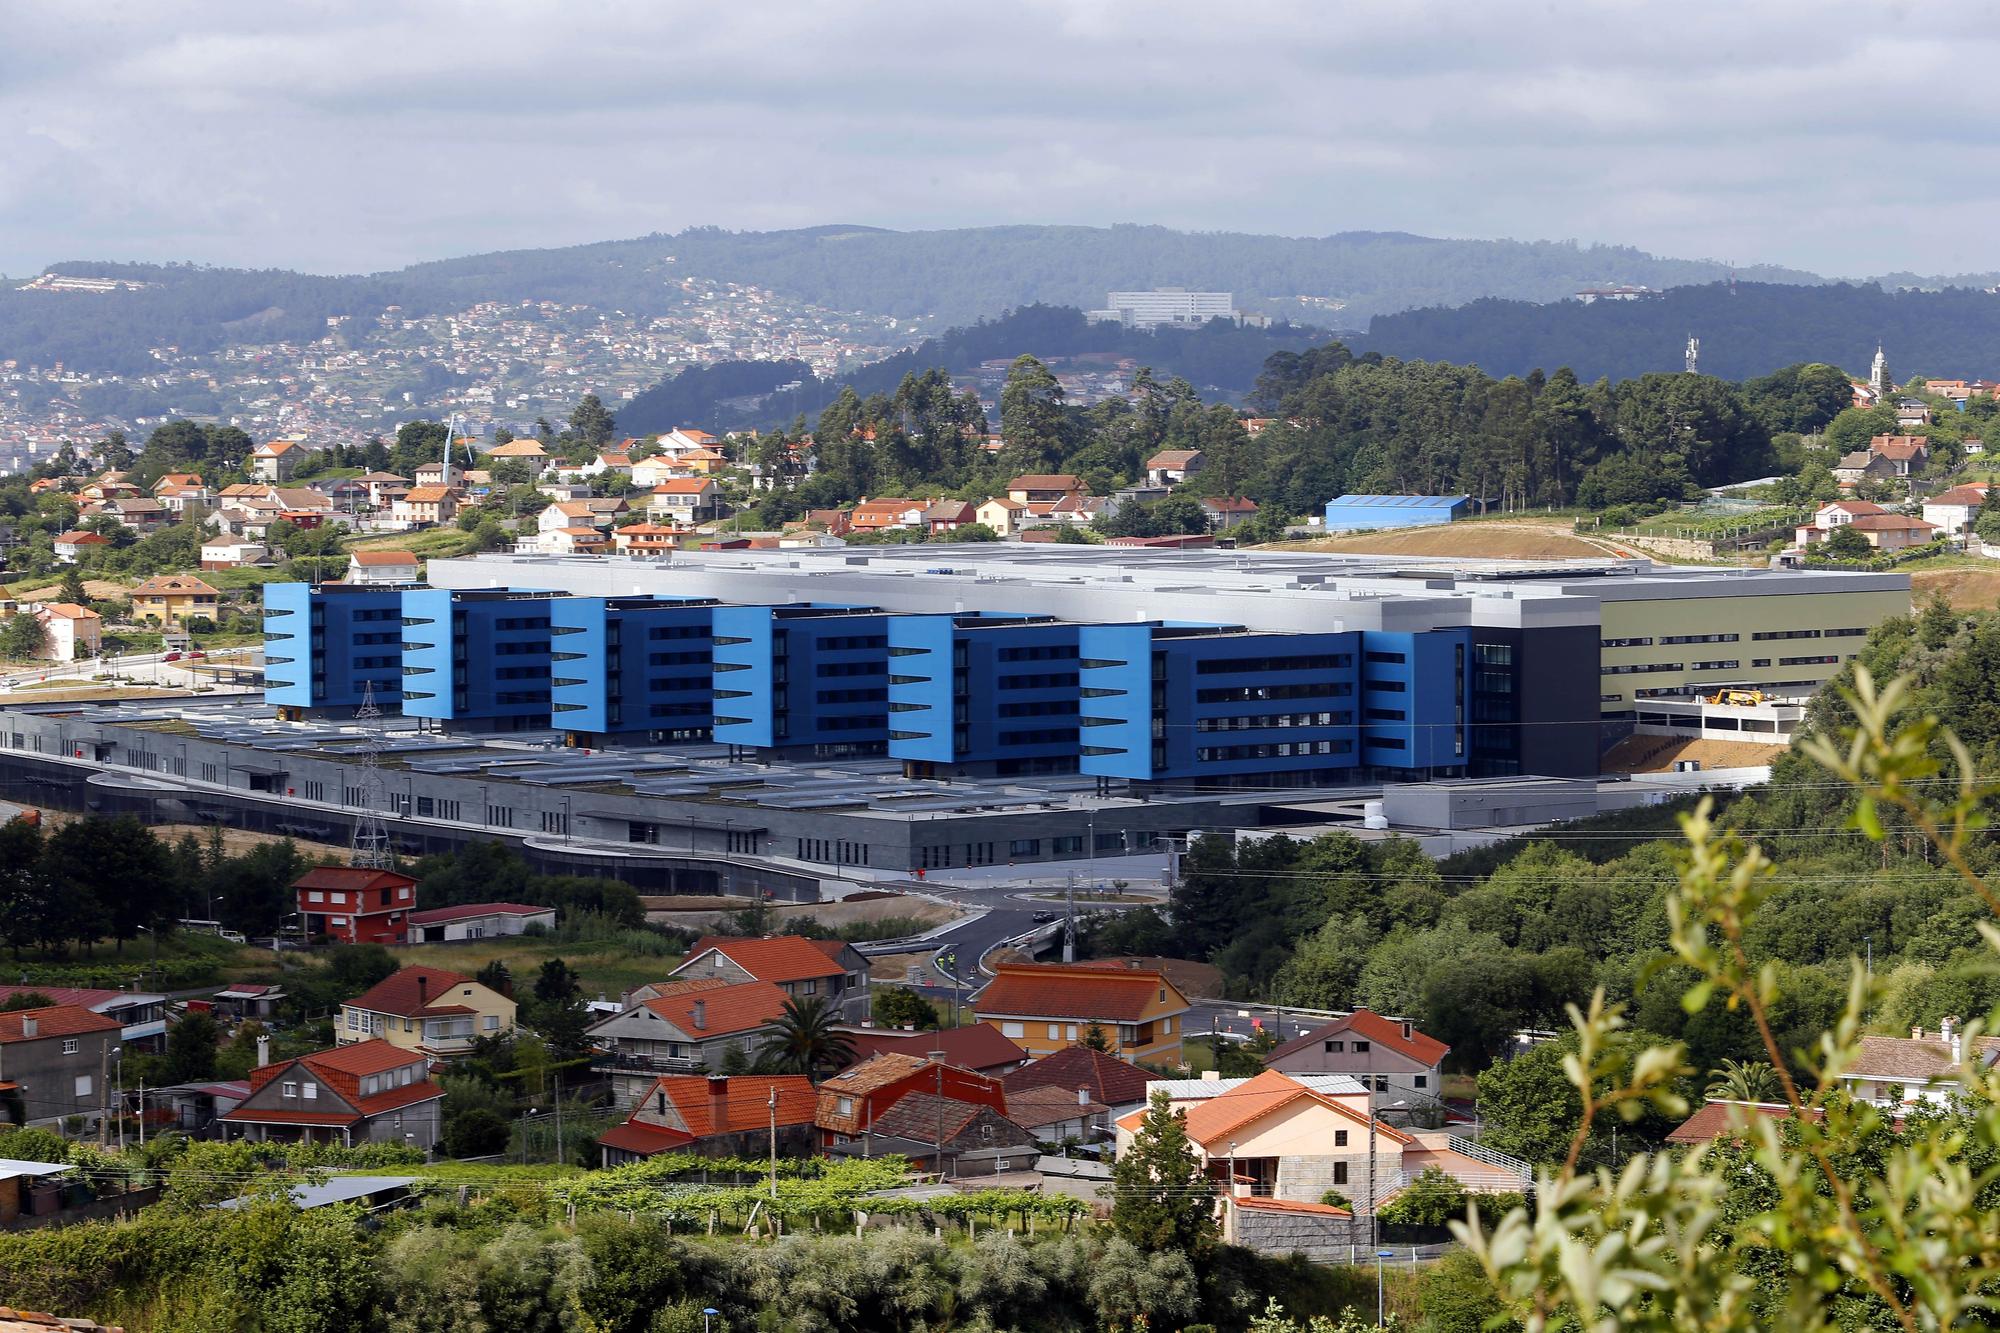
pixel 1846 137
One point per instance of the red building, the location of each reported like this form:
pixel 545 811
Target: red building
pixel 356 904
pixel 851 1101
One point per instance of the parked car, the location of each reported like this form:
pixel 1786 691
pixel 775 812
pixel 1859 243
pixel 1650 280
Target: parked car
pixel 173 656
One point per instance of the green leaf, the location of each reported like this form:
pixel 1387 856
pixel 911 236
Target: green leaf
pixel 1866 819
pixel 1696 997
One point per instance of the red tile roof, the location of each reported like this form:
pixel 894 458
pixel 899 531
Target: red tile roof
pixel 382 557
pixel 923 1116
pixel 1290 1206
pixel 342 1070
pixel 1374 1027
pixel 637 1137
pixel 1208 1122
pixel 746 1101
pixel 57 1020
pixel 683 486
pixel 1890 523
pixel 1110 1080
pixel 776 958
pixel 1052 990
pixel 1046 481
pixel 350 878
pixel 978 1046
pixel 411 991
pixel 1031 1108
pixel 1713 1120
pixel 468 911
pixel 724 1009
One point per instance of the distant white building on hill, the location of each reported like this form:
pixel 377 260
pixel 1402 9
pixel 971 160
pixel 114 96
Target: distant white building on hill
pixel 1164 307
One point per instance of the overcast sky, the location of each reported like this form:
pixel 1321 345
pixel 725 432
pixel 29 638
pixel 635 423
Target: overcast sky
pixel 1845 138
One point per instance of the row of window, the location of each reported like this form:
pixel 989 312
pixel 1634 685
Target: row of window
pixel 1208 754
pixel 1230 666
pixel 1260 721
pixel 1247 694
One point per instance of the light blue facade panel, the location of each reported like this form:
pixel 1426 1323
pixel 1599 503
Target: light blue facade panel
pixel 325 645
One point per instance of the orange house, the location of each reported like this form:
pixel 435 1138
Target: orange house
pixel 1044 1007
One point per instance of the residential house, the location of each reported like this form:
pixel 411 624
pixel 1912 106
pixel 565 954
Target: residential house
pixel 1004 515
pixel 1226 511
pixel 1170 467
pixel 54 1057
pixel 1923 1067
pixel 1045 1007
pixel 427 506
pixel 439 474
pixel 375 566
pixel 174 599
pixel 1073 509
pixel 383 487
pixel 74 632
pixel 247 999
pixel 356 904
pixel 573 541
pixel 1133 495
pixel 1907 454
pixel 685 439
pixel 1952 511
pixel 368 1092
pixel 1388 1055
pixel 71 546
pixel 1912 412
pixel 1081 1074
pixel 230 552
pixel 1053 1115
pixel 647 539
pixel 276 461
pixel 181 491
pixel 954 1137
pixel 825 970
pixel 527 453
pixel 651 471
pixel 1718 1117
pixel 1894 532
pixel 1972 448
pixel 976 1046
pixel 854 1100
pixel 598 514
pixel 478 921
pixel 170 480
pixel 835 522
pixel 1043 487
pixel 302 505
pixel 949 516
pixel 701 461
pixel 427 1010
pixel 687 500
pixel 683 1027
pixel 885 514
pixel 35 1189
pixel 716 1115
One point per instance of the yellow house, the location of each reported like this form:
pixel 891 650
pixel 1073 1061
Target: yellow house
pixel 1046 1007
pixel 425 1009
pixel 171 599
pixel 1003 515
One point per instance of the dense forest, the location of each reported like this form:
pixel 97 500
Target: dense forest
pixel 1220 359
pixel 1746 328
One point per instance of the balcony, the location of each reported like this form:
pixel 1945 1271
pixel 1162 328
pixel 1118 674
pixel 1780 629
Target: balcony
pixel 637 1062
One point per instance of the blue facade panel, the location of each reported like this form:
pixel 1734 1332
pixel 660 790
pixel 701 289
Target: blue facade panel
pixel 802 678
pixel 632 665
pixel 1415 698
pixel 995 692
pixel 1349 513
pixel 477 656
pixel 324 645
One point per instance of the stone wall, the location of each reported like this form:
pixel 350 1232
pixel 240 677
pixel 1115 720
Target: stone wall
pixel 1322 1237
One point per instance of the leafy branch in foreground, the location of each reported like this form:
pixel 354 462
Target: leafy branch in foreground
pixel 1831 1214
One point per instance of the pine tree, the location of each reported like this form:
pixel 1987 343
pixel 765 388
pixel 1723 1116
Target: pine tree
pixel 1164 1199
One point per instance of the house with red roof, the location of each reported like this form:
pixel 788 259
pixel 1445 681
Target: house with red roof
pixel 1045 1007
pixel 852 1102
pixel 716 1115
pixel 71 546
pixel 54 1058
pixel 1385 1054
pixel 369 1092
pixel 690 1025
pixel 976 1046
pixel 381 567
pixel 826 970
pixel 356 904
pixel 1080 1072
pixel 425 1010
pixel 277 460
pixel 477 921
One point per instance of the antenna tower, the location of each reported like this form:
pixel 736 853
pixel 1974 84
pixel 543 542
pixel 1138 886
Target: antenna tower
pixel 368 844
pixel 1693 355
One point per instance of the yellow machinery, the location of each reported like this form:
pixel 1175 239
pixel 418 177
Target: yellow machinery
pixel 1740 698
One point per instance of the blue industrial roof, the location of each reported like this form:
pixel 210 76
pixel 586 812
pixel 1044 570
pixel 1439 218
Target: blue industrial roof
pixel 1398 501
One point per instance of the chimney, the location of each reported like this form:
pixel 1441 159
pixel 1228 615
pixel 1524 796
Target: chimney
pixel 1957 1047
pixel 423 991
pixel 1917 1032
pixel 263 1051
pixel 31 1027
pixel 1083 1097
pixel 718 1103
pixel 700 1015
pixel 1406 1029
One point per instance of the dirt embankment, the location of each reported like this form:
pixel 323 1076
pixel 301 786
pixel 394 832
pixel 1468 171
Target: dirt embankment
pixel 1490 541
pixel 1966 589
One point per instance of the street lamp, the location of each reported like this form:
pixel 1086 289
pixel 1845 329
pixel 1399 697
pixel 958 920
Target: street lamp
pixel 1380 1255
pixel 708 1312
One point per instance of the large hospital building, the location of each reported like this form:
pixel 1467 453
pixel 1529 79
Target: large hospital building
pixel 1147 668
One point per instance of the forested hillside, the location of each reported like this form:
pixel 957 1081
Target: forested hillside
pixel 1220 360
pixel 1745 329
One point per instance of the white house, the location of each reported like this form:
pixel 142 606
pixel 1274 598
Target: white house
pixel 381 567
pixel 474 921
pixel 1922 1067
pixel 276 461
pixel 689 499
pixel 427 505
pixel 74 631
pixel 1953 511
pixel 227 552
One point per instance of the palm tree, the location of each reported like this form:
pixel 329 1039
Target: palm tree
pixel 1743 1081
pixel 806 1041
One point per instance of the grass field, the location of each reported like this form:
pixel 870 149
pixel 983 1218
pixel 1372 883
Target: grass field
pixel 1967 583
pixel 607 967
pixel 1500 539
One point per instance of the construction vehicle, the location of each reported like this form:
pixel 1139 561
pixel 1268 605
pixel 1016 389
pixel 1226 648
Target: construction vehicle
pixel 1738 698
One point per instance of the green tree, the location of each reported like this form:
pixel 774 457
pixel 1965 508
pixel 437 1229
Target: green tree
pixel 72 587
pixel 27 999
pixel 1847 544
pixel 805 1041
pixel 1096 1038
pixel 1743 1081
pixel 23 638
pixel 900 1007
pixel 192 1043
pixel 1431 1200
pixel 591 423
pixel 1033 427
pixel 1164 1199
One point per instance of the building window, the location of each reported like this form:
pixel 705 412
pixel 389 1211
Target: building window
pixel 310 1091
pixel 1336 1047
pixel 1340 1138
pixel 1422 1080
pixel 83 1085
pixel 490 1022
pixel 70 1045
pixel 1340 1173
pixel 1025 847
pixel 845 1106
pixel 289 1091
pixel 1013 1030
pixel 1055 1032
pixel 1361 1048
